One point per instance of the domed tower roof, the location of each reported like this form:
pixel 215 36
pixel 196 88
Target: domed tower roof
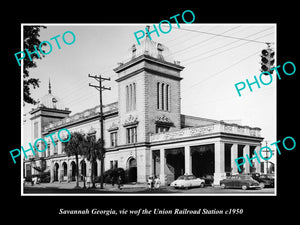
pixel 51 101
pixel 153 49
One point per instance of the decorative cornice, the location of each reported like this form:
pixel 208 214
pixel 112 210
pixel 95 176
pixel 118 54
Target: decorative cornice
pixel 136 60
pixel 164 121
pixel 150 71
pixel 113 127
pixel 130 121
pixel 91 131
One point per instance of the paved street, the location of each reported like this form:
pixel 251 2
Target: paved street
pixel 133 189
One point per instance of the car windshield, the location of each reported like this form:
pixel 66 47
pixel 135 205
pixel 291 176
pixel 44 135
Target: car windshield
pixel 246 177
pixel 181 178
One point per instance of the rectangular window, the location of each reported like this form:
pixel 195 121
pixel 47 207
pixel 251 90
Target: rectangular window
pixel 55 149
pixel 113 139
pixel 131 135
pixel 36 130
pixel 115 164
pixel 160 129
pixel 111 164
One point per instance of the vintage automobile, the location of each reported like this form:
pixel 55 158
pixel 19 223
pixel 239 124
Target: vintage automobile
pixel 187 181
pixel 209 179
pixel 239 181
pixel 265 180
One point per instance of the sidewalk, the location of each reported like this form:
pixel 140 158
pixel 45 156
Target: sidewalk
pixel 71 186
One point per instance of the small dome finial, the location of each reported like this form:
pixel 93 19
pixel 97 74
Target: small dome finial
pixel 147 29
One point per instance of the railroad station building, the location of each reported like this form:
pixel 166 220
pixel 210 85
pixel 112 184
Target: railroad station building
pixel 144 131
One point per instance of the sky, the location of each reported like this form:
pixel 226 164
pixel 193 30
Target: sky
pixel 213 65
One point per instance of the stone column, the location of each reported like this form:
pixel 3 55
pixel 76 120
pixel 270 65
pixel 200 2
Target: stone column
pixel 256 163
pixel 162 167
pixel 246 150
pixel 51 172
pixel 234 155
pixel 219 163
pixel 60 172
pixel 69 173
pixel 187 160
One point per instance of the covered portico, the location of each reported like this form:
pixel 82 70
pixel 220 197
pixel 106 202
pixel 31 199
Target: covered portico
pixel 203 150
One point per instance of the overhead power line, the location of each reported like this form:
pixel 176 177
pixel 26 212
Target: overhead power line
pixel 222 35
pixel 219 72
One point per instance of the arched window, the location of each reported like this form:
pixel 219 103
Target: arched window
pixel 162 96
pixel 158 94
pixel 127 99
pixel 167 97
pixel 134 97
pixel 131 97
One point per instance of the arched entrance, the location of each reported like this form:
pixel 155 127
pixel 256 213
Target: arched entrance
pixel 65 171
pixel 132 170
pixel 56 168
pixel 83 169
pixel 73 171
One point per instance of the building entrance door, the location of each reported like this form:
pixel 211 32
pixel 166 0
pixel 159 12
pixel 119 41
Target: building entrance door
pixel 132 170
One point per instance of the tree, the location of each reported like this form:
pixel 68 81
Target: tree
pixel 77 145
pixel 31 34
pixel 93 153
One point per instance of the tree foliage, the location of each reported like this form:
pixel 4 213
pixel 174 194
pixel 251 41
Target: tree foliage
pixel 93 153
pixel 31 39
pixel 76 146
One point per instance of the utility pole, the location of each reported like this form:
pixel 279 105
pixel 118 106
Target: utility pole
pixel 267 156
pixel 100 88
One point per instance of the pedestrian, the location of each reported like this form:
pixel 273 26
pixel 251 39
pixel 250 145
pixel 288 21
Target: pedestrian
pixel 88 181
pixel 113 181
pixel 83 179
pixel 119 181
pixel 156 182
pixel 150 182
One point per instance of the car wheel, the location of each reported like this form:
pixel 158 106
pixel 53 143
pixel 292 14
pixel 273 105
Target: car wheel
pixel 244 187
pixel 223 186
pixel 261 185
pixel 202 185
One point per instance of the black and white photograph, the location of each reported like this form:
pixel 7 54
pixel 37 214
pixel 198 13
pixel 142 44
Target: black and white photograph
pixel 166 127
pixel 151 113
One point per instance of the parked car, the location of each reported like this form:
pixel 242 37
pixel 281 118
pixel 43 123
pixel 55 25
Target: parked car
pixel 239 181
pixel 209 179
pixel 187 181
pixel 265 180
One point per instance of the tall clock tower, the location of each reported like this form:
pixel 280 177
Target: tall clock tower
pixel 149 92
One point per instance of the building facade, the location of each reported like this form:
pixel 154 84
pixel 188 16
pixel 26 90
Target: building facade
pixel 144 132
